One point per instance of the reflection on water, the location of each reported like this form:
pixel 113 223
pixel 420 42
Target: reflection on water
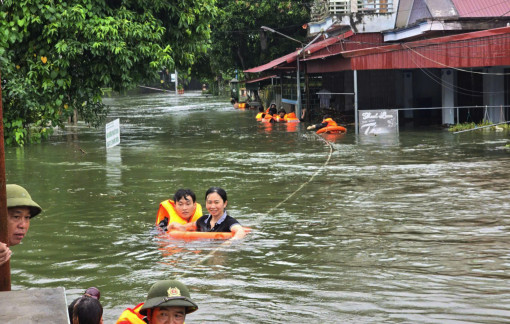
pixel 113 168
pixel 409 229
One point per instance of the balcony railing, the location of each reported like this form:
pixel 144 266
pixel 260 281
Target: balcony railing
pixel 343 7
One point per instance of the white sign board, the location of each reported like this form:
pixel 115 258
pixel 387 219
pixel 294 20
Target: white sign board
pixel 382 121
pixel 172 77
pixel 113 133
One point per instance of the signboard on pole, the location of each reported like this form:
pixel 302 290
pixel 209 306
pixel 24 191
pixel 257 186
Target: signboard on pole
pixel 113 133
pixel 381 121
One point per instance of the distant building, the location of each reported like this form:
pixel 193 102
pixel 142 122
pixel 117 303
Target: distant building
pixel 437 61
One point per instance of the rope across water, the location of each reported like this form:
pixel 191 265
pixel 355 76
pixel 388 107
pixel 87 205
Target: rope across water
pixel 258 219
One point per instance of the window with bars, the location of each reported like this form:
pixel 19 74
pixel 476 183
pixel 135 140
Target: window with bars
pixel 342 7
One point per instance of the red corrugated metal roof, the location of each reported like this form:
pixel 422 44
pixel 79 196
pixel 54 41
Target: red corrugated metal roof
pixel 261 79
pixel 485 8
pixel 477 49
pixel 356 41
pixel 271 64
pixel 289 58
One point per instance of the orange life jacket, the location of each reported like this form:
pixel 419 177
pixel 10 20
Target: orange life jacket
pixel 280 119
pixel 259 116
pixel 167 210
pixel 330 122
pixel 131 316
pixel 291 118
pixel 268 117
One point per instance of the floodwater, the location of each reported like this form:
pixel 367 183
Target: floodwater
pixel 413 228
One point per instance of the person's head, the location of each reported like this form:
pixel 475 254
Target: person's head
pixel 168 301
pixel 20 209
pixel 272 105
pixel 185 203
pixel 93 292
pixel 216 201
pixel 87 310
pixel 261 109
pixel 281 112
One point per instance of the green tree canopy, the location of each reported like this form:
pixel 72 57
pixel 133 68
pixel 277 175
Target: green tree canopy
pixel 239 43
pixel 55 56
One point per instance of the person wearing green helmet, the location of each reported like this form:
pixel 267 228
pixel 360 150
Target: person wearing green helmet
pixel 168 302
pixel 20 209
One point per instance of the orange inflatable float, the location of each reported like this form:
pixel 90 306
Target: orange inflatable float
pixel 332 130
pixel 189 236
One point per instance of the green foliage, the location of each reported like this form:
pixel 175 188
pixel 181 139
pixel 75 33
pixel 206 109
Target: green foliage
pixel 239 43
pixel 55 56
pixel 466 126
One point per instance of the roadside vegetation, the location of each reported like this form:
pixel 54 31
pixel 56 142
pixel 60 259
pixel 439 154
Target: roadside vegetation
pixel 466 126
pixel 55 57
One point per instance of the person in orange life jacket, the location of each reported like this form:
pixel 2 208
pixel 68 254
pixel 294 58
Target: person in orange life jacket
pixel 20 210
pixel 272 110
pixel 182 209
pixel 328 121
pixel 261 114
pixel 281 115
pixel 218 220
pixel 168 302
pixel 292 114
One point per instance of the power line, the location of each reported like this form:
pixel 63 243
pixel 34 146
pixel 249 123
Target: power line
pixel 450 67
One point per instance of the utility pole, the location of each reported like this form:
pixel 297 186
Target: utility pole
pixel 5 269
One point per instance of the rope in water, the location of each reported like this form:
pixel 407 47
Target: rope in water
pixel 258 219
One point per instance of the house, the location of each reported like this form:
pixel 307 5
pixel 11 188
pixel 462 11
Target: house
pixel 436 61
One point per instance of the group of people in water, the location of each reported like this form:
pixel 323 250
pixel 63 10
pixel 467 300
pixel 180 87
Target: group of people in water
pixel 272 115
pixel 168 301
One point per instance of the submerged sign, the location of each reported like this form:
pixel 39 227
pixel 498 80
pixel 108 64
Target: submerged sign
pixel 113 133
pixel 382 121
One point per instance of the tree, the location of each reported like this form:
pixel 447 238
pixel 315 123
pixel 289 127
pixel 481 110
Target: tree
pixel 239 43
pixel 55 56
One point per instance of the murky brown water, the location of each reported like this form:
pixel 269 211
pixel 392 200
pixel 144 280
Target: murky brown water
pixel 411 229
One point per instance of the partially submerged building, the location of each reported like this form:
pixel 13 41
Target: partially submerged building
pixel 436 61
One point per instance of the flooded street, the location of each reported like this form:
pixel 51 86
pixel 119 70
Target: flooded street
pixel 411 229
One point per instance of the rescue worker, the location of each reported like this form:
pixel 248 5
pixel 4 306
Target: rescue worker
pixel 291 117
pixel 168 301
pixel 218 220
pixel 328 121
pixel 281 116
pixel 182 209
pixel 272 110
pixel 261 114
pixel 20 210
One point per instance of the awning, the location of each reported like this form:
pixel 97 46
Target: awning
pixel 272 64
pixel 274 76
pixel 289 58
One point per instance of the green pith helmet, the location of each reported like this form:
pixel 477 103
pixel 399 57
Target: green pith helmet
pixel 166 293
pixel 17 196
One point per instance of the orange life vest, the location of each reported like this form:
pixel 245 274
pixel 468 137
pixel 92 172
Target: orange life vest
pixel 259 116
pixel 131 316
pixel 268 116
pixel 291 118
pixel 167 210
pixel 280 119
pixel 330 122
